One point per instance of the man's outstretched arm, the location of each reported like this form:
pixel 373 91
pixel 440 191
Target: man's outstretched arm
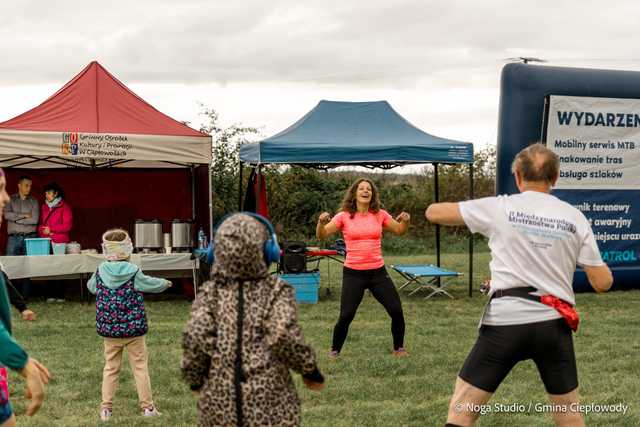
pixel 599 277
pixel 445 213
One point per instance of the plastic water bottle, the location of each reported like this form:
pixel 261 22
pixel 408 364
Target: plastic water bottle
pixel 202 239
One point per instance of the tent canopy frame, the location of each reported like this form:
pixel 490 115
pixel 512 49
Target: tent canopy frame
pixel 72 163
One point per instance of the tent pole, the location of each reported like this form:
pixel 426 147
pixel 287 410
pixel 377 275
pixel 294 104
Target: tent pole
pixel 240 187
pixel 210 177
pixel 437 199
pixel 258 182
pixel 470 233
pixel 192 169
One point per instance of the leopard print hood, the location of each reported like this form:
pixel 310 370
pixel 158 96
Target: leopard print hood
pixel 239 249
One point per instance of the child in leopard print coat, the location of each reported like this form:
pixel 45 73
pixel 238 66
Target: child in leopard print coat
pixel 246 381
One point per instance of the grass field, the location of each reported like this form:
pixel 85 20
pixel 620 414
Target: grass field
pixel 365 386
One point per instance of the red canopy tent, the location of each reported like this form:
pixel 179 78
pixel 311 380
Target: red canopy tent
pixel 116 157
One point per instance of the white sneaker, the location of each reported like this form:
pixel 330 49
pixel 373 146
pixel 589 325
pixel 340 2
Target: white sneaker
pixel 105 414
pixel 51 300
pixel 151 412
pixel 60 300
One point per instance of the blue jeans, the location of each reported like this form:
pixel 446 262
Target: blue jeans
pixel 16 244
pixel 16 247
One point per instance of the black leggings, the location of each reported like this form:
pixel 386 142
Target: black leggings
pixel 354 283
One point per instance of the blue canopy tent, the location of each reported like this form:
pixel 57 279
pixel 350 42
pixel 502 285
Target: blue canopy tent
pixel 356 133
pixel 370 134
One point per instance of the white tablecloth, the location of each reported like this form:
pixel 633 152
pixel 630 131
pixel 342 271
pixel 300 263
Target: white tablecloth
pixel 18 267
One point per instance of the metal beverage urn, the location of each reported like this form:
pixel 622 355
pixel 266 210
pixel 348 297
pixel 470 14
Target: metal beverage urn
pixel 148 235
pixel 182 235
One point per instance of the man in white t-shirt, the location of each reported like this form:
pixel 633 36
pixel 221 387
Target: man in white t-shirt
pixel 536 241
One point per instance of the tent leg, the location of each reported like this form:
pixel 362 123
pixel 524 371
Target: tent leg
pixel 258 182
pixel 240 188
pixel 437 199
pixel 192 169
pixel 210 203
pixel 470 233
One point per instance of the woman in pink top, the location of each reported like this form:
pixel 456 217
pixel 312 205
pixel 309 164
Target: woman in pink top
pixel 362 222
pixel 56 220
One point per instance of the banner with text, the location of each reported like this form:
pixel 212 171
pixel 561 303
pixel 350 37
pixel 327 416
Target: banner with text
pixel 598 142
pixel 83 145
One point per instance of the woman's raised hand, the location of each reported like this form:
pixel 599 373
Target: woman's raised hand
pixel 403 217
pixel 324 218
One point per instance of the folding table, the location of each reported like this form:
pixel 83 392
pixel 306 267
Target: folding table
pixel 425 276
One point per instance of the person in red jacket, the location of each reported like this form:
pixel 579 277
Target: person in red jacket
pixel 56 220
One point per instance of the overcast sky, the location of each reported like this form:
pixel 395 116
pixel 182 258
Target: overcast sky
pixel 265 64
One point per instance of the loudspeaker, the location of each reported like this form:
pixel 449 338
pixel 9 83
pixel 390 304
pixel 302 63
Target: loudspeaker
pixel 294 259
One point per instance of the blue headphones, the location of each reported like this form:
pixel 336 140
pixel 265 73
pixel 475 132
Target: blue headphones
pixel 271 248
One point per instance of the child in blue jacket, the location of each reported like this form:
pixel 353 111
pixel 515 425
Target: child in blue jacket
pixel 121 318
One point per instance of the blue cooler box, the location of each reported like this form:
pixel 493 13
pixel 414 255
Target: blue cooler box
pixel 38 246
pixel 306 286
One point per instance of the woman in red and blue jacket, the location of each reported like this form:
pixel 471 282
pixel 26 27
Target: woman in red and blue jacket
pixel 56 220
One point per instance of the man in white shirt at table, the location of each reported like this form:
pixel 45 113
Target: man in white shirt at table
pixel 536 241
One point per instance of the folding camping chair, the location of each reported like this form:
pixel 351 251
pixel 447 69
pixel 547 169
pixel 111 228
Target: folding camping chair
pixel 418 274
